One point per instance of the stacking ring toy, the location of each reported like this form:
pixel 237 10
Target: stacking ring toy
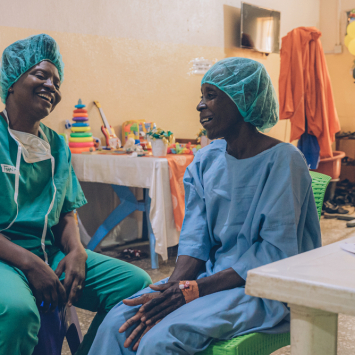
pixel 81 134
pixel 81 144
pixel 80 124
pixel 85 139
pixel 81 129
pixel 81 150
pixel 81 139
pixel 80 119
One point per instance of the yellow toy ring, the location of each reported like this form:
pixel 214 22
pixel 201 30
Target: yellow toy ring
pixel 80 129
pixel 83 139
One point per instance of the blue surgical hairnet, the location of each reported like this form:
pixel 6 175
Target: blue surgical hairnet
pixel 24 54
pixel 249 86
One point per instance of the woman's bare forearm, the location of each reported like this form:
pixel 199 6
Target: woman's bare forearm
pixel 220 281
pixel 66 232
pixel 188 268
pixel 16 255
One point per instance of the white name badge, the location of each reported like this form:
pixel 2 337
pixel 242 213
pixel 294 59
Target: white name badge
pixel 8 169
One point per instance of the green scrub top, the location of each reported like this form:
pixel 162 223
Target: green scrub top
pixel 36 192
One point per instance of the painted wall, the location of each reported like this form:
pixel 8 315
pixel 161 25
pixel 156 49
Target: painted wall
pixel 332 19
pixel 133 56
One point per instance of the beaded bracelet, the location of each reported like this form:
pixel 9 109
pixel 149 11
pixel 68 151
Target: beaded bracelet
pixel 190 290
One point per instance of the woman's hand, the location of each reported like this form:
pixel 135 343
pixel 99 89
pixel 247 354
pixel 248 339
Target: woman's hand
pixel 169 299
pixel 155 307
pixel 141 327
pixel 45 285
pixel 73 264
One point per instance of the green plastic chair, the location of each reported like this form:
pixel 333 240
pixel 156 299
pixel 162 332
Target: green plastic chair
pixel 259 343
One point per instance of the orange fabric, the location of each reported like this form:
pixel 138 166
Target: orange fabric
pixel 305 89
pixel 177 167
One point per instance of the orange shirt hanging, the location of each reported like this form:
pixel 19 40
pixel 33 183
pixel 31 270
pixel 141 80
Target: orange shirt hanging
pixel 305 89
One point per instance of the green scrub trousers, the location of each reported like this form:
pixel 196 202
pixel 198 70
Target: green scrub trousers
pixel 108 281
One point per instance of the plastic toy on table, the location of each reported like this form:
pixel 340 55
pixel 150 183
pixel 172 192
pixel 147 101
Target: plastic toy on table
pixel 112 140
pixel 80 139
pixel 137 128
pixel 202 138
pixel 188 148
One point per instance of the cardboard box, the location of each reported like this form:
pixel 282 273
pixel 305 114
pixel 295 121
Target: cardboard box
pixel 347 172
pixel 347 146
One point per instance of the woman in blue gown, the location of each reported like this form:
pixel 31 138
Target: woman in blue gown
pixel 249 202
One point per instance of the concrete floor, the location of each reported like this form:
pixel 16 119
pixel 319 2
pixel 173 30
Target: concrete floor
pixel 332 231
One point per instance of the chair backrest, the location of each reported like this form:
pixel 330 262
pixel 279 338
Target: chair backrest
pixel 319 185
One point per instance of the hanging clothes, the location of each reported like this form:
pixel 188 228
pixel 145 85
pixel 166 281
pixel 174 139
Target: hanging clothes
pixel 309 146
pixel 305 89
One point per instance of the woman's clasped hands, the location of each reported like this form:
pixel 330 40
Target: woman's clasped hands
pixel 155 306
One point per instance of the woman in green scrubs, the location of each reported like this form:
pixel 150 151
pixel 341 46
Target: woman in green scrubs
pixel 42 260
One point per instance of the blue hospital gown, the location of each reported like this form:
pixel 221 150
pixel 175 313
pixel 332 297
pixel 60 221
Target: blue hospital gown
pixel 240 214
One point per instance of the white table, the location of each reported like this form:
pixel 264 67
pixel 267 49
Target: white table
pixel 317 285
pixel 145 172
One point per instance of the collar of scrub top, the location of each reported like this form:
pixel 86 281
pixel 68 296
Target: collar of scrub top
pixel 33 149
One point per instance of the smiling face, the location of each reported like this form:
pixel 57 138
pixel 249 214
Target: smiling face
pixel 37 90
pixel 219 115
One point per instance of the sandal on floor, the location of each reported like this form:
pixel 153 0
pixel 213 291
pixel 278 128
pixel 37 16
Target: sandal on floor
pixel 332 208
pixel 132 254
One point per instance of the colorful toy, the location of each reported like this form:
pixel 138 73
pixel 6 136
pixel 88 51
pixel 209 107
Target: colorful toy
pixel 188 148
pixel 202 138
pixel 200 134
pixel 137 128
pixel 112 140
pixel 81 139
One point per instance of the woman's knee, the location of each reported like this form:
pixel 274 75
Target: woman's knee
pixel 142 279
pixel 19 317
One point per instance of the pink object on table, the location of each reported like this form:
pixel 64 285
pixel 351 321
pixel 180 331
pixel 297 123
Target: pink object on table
pixel 81 144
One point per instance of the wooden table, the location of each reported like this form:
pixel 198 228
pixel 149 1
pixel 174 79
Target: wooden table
pixel 317 285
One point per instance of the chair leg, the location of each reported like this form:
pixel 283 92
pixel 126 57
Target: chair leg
pixel 73 338
pixel 73 334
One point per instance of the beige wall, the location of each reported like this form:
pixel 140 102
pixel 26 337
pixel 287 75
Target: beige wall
pixel 133 56
pixel 339 65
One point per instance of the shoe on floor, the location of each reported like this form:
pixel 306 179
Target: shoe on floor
pixel 333 208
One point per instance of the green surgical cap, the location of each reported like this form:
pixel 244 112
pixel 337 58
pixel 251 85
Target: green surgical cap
pixel 24 54
pixel 249 86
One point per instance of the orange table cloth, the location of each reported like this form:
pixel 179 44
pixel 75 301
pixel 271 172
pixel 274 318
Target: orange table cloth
pixel 177 168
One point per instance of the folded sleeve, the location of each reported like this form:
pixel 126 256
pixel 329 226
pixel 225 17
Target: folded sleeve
pixel 286 221
pixel 74 195
pixel 194 237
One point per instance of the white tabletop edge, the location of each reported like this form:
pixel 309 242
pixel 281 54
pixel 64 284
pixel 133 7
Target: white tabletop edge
pixel 283 282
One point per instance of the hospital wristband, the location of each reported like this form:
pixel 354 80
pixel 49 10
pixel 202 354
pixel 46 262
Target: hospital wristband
pixel 190 290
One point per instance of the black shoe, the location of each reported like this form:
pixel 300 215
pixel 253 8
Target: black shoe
pixel 332 208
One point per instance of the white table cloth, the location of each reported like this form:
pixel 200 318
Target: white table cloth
pixel 144 172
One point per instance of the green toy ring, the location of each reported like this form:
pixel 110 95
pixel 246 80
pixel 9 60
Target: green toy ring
pixel 81 134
